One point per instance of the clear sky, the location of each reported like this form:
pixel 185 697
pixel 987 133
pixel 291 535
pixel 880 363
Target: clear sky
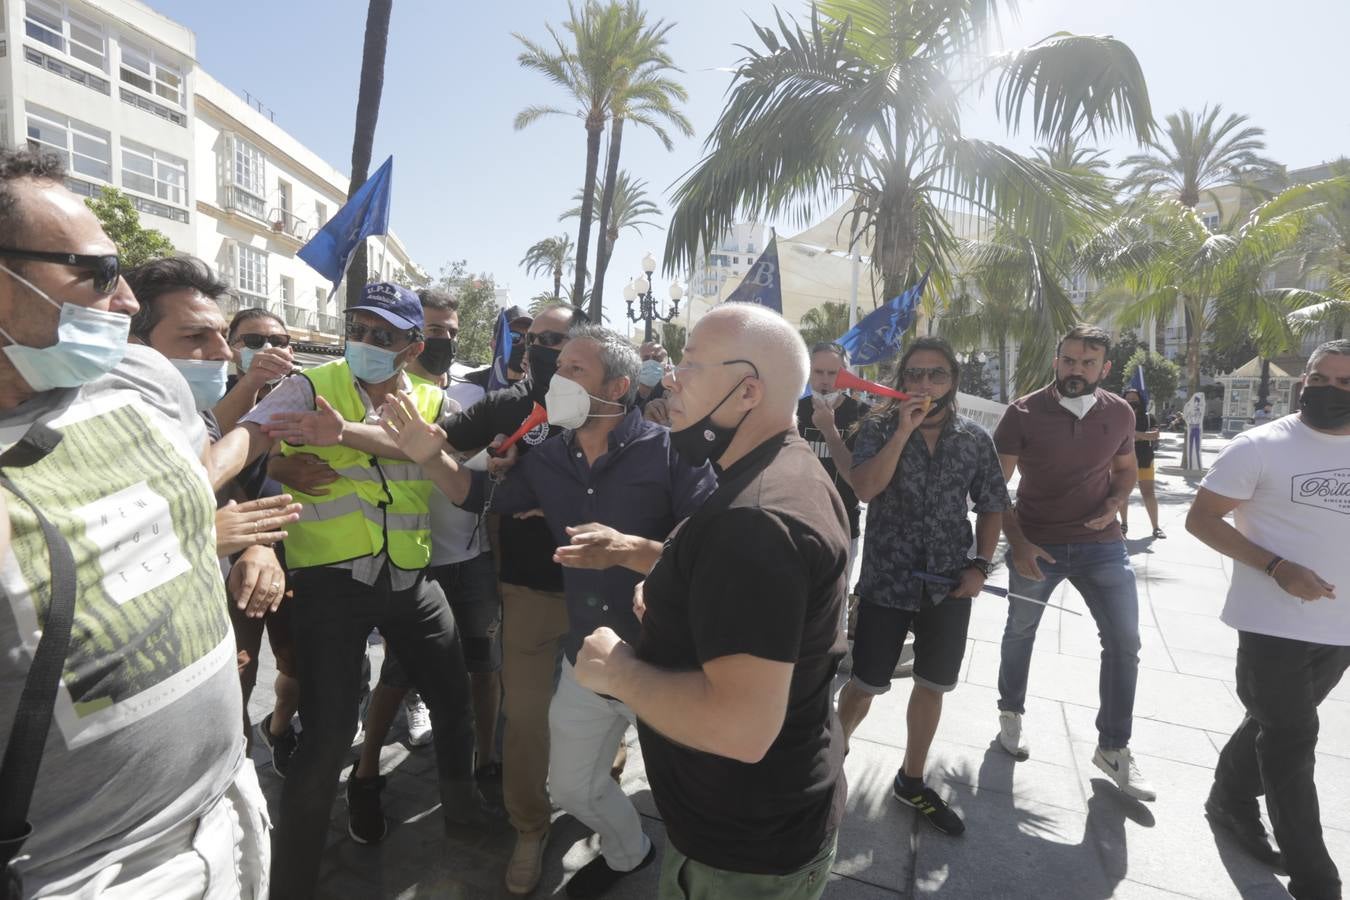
pixel 467 186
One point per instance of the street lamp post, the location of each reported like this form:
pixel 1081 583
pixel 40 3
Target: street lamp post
pixel 648 311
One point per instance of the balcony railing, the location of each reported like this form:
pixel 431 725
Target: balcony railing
pixel 297 317
pixel 238 198
pixel 329 324
pixel 285 222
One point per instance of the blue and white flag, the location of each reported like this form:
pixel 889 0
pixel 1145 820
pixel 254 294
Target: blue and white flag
pixel 364 214
pixel 763 284
pixel 877 336
pixel 502 355
pixel 1137 384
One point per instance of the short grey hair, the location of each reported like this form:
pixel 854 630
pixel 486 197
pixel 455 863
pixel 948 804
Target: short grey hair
pixel 618 357
pixel 1338 347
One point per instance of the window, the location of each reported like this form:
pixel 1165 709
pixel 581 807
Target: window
pixel 141 69
pixel 251 277
pixel 320 214
pixel 247 190
pixel 84 147
pixel 154 173
pixel 1212 222
pixel 66 32
pixel 287 290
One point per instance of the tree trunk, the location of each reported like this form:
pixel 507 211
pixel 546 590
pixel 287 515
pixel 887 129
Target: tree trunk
pixel 1193 353
pixel 595 125
pixel 606 210
pixel 367 114
pixel 1002 369
pixel 557 282
pixel 1263 390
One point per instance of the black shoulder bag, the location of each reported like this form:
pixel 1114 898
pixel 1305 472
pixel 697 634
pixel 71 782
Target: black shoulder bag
pixel 23 754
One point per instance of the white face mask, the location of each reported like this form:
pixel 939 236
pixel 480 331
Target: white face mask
pixel 1079 406
pixel 832 398
pixel 569 405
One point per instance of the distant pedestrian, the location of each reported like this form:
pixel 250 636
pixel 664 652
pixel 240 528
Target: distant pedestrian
pixel 1145 437
pixel 1288 487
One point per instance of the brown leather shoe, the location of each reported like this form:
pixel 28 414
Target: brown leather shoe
pixel 526 863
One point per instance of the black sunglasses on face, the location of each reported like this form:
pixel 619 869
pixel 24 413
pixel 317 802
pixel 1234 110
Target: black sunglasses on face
pixel 379 337
pixel 545 338
pixel 256 341
pixel 106 270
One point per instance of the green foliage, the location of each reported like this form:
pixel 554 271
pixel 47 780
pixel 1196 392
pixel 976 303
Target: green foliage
pixel 673 338
pixel 1123 349
pixel 122 223
pixel 1162 377
pixel 550 257
pixel 974 378
pixel 477 310
pixel 827 322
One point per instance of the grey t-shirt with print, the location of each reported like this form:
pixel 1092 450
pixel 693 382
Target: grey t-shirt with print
pixel 145 732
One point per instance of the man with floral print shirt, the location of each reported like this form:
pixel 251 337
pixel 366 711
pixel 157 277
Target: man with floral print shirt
pixel 917 464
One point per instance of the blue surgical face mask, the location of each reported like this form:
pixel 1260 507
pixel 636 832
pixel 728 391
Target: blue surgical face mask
pixel 371 364
pixel 89 343
pixel 205 377
pixel 650 373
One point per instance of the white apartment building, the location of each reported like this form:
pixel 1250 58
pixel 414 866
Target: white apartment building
pixel 116 90
pixel 722 268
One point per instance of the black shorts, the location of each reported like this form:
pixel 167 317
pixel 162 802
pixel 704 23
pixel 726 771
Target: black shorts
pixel 939 643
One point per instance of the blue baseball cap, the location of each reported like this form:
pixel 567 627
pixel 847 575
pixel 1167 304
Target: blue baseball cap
pixel 392 302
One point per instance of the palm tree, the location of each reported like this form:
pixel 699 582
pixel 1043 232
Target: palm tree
pixel 1159 255
pixel 614 68
pixel 630 207
pixel 368 94
pixel 551 256
pixel 867 99
pixel 1328 257
pixel 824 323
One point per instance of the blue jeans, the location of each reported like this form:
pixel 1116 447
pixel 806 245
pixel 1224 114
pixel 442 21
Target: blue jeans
pixel 1103 575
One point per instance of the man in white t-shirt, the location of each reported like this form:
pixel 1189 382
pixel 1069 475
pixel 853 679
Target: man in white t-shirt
pixel 1288 485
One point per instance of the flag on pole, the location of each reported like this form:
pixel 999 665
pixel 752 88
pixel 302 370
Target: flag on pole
pixel 763 284
pixel 505 339
pixel 877 336
pixel 364 214
pixel 1137 384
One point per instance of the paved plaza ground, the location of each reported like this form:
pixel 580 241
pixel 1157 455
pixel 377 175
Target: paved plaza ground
pixel 1049 827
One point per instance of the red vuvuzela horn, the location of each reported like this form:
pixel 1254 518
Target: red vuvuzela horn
pixel 537 417
pixel 847 379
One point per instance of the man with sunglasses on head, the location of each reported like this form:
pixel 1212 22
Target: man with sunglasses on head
pixel 1073 443
pixel 919 466
pixel 731 675
pixel 358 559
pixel 143 789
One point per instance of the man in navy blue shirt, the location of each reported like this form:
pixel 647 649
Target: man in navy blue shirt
pixel 611 489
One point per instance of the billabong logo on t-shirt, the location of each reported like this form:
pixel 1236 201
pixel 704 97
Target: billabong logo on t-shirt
pixel 1328 489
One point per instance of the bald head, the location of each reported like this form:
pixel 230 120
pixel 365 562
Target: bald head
pixel 751 332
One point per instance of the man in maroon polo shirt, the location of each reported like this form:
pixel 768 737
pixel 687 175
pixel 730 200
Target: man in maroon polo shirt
pixel 1073 443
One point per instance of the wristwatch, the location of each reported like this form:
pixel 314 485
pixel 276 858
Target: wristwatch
pixel 979 562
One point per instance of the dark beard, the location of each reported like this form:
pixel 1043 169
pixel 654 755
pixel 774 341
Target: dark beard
pixel 1075 386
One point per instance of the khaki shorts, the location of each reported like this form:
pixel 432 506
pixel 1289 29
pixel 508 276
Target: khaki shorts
pixel 1146 474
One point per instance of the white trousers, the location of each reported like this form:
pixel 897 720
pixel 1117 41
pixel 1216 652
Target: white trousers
pixel 584 731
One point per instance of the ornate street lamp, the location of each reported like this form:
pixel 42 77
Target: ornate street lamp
pixel 648 311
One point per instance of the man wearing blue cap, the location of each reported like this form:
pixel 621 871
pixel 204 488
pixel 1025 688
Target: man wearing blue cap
pixel 358 559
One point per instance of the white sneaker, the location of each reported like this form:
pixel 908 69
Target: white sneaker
pixel 419 719
pixel 1120 767
pixel 1010 735
pixel 359 736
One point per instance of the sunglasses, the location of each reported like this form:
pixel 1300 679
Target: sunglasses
pixel 936 376
pixel 256 341
pixel 545 338
pixel 106 270
pixel 379 337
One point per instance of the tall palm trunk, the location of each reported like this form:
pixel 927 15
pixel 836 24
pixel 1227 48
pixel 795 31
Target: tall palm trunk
pixel 1193 352
pixel 557 282
pixel 367 114
pixel 595 124
pixel 1002 369
pixel 1263 390
pixel 606 247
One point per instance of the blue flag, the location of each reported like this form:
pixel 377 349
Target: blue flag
pixel 497 375
pixel 763 284
pixel 877 336
pixel 366 213
pixel 1137 384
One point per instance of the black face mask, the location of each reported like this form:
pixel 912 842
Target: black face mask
pixel 1325 406
pixel 517 357
pixel 438 355
pixel 705 440
pixel 939 405
pixel 543 363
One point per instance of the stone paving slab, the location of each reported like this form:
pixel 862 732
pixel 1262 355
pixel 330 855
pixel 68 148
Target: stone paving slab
pixel 1049 827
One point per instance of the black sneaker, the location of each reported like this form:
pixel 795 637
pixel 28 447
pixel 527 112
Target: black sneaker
pixel 365 819
pixel 596 877
pixel 1245 827
pixel 282 745
pixel 933 807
